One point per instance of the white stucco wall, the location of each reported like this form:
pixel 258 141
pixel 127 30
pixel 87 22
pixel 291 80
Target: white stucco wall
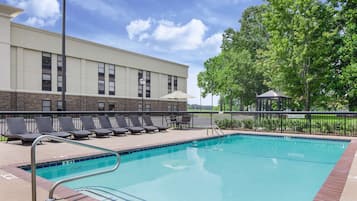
pixel 27 45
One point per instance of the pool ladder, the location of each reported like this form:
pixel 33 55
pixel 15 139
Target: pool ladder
pixel 109 194
pixel 215 130
pixel 56 184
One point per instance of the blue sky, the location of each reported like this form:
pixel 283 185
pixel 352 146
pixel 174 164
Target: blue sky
pixel 183 31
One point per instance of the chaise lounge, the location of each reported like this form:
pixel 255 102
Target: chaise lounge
pixel 105 123
pixel 66 124
pixel 88 124
pixel 18 131
pixel 135 121
pixel 44 126
pixel 122 123
pixel 148 122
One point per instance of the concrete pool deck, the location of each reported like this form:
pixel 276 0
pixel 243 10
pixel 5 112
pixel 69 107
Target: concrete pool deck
pixel 15 184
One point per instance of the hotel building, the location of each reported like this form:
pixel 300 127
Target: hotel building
pixel 99 77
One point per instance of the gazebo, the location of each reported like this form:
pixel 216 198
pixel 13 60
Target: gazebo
pixel 265 101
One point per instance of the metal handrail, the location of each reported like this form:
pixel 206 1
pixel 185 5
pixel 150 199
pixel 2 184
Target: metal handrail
pixel 215 129
pixel 56 184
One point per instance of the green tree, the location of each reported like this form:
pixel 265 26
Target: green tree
pixel 233 73
pixel 297 56
pixel 344 65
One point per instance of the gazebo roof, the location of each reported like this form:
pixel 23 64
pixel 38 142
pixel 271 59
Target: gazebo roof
pixel 272 94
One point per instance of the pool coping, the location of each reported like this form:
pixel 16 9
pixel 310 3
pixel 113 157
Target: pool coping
pixel 331 190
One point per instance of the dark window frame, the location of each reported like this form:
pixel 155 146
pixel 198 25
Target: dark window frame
pixel 49 106
pixel 111 106
pixel 58 105
pixel 169 83
pixel 111 79
pixel 175 83
pixel 101 78
pixel 147 107
pixel 59 72
pixel 148 84
pixel 140 86
pixel 140 107
pixel 99 106
pixel 46 71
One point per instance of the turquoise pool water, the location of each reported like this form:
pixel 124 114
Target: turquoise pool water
pixel 234 168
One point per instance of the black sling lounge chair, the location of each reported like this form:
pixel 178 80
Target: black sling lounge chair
pixel 88 124
pixel 66 125
pixel 135 121
pixel 44 126
pixel 184 121
pixel 105 123
pixel 148 122
pixel 17 130
pixel 122 123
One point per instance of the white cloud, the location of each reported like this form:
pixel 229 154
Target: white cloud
pixel 214 42
pixel 143 36
pixel 41 12
pixel 185 37
pixel 172 36
pixel 138 26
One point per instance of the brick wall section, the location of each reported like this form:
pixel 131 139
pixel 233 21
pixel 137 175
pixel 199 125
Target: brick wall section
pixel 5 101
pixel 12 101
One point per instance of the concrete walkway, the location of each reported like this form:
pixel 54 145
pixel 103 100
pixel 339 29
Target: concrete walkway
pixel 15 184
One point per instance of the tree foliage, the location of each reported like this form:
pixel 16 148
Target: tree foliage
pixel 234 73
pixel 297 57
pixel 345 48
pixel 304 48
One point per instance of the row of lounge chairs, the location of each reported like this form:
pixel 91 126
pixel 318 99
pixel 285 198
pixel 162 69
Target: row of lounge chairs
pixel 17 128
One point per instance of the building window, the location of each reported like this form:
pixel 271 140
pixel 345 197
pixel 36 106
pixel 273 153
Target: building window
pixel 46 71
pixel 169 83
pixel 172 107
pixel 101 79
pixel 46 105
pixel 111 106
pixel 140 85
pixel 148 84
pixel 147 107
pixel 140 107
pixel 59 106
pixel 111 80
pixel 101 106
pixel 59 72
pixel 175 83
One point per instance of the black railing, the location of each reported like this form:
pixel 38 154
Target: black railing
pixel 324 123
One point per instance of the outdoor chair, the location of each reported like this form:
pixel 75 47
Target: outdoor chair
pixel 171 121
pixel 44 126
pixel 185 120
pixel 88 124
pixel 66 125
pixel 122 123
pixel 148 122
pixel 105 123
pixel 135 121
pixel 18 131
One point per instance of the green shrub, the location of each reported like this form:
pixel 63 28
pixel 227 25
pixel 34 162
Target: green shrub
pixel 248 123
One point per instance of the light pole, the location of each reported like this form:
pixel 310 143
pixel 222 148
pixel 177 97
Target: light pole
pixel 142 82
pixel 64 67
pixel 200 100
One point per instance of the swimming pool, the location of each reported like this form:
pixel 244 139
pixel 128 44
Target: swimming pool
pixel 238 167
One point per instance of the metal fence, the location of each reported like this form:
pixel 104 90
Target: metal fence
pixel 323 123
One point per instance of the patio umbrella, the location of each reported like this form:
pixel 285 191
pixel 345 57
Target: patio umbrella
pixel 177 95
